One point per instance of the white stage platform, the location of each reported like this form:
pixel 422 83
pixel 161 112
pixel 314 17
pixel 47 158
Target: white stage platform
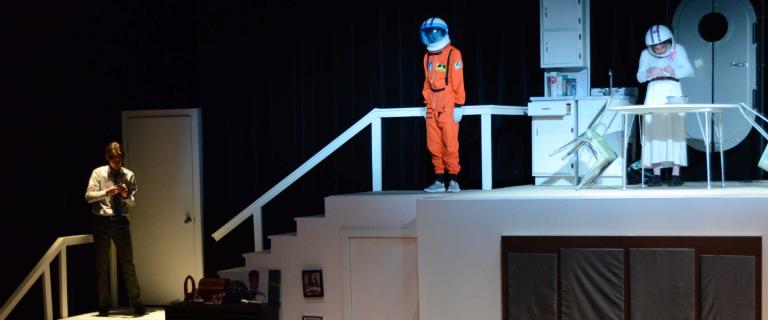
pixel 454 241
pixel 459 236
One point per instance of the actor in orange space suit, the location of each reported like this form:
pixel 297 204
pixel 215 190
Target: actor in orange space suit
pixel 443 95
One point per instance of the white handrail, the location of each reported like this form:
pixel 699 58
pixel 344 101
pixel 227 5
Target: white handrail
pixel 374 119
pixel 255 208
pixel 43 269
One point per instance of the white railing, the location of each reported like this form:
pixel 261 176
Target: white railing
pixel 43 269
pixel 374 119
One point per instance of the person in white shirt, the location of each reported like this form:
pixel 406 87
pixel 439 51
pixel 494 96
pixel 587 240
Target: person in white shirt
pixel 111 192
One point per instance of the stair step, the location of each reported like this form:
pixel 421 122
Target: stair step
pixel 236 269
pixel 375 211
pixel 279 243
pixel 258 253
pixel 283 235
pixel 263 258
pixel 305 225
pixel 319 216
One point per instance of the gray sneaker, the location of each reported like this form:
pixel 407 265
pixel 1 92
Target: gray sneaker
pixel 453 186
pixel 437 186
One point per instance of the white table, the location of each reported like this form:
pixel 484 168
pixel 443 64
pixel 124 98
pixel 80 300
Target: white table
pixel 699 108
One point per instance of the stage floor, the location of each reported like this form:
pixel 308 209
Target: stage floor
pixel 153 313
pixel 689 189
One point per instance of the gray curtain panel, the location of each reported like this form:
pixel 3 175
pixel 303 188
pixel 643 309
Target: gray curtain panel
pixel 662 284
pixel 531 286
pixel 592 284
pixel 728 287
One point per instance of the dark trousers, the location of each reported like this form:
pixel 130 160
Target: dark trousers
pixel 105 230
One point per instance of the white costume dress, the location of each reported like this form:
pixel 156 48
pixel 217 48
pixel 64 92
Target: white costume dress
pixel 665 136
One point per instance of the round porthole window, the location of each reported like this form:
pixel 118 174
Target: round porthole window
pixel 713 27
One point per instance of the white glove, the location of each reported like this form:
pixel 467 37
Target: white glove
pixel 425 112
pixel 457 113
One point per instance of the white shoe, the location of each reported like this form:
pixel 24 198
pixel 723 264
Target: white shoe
pixel 437 186
pixel 453 186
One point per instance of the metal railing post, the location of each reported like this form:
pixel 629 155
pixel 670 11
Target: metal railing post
pixel 63 298
pixel 485 146
pixel 376 167
pixel 47 296
pixel 257 230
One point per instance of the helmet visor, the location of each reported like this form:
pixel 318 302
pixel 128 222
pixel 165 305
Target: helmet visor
pixel 433 35
pixel 661 47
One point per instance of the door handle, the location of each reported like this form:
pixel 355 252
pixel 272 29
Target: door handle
pixel 735 64
pixel 188 219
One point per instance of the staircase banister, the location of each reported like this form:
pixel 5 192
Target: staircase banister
pixel 469 110
pixel 41 266
pixel 254 209
pixel 398 112
pixel 488 109
pixel 295 175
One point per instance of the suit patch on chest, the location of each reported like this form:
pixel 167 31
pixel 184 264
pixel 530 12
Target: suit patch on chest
pixel 441 67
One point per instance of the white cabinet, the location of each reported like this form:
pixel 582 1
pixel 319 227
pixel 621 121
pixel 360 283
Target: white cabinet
pixel 563 34
pixel 553 125
pixel 555 122
pixel 562 48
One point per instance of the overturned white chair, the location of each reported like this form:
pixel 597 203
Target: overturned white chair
pixel 603 153
pixel 763 162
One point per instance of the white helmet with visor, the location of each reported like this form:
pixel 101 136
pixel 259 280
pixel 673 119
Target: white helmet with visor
pixel 660 37
pixel 434 34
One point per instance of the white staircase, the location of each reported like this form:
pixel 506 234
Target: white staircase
pixel 322 242
pixel 354 229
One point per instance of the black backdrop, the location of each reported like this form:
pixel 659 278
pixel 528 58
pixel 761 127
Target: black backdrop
pixel 276 81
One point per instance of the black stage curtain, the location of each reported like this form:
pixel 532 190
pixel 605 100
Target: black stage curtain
pixel 276 81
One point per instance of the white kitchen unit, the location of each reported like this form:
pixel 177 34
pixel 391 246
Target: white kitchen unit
pixel 557 121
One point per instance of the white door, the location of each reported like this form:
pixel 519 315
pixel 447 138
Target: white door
pixel 718 37
pixel 163 150
pixel 383 277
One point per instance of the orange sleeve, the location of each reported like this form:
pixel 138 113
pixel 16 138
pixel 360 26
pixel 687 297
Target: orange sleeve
pixel 425 90
pixel 457 78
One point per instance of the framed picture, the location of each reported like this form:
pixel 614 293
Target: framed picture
pixel 311 318
pixel 312 281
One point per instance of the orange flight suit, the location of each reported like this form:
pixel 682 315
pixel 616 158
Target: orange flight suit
pixel 443 90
